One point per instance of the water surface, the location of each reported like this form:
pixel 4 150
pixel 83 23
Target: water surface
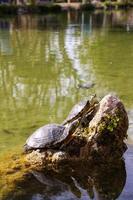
pixel 44 59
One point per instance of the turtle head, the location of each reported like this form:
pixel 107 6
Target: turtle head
pixel 93 99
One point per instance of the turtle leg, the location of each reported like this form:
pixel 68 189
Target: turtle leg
pixel 69 138
pixel 72 129
pixel 85 120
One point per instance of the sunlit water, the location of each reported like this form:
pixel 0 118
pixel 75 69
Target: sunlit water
pixel 44 59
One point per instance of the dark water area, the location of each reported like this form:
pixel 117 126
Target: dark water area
pixel 47 64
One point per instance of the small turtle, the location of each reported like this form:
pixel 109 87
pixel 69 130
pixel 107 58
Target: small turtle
pixel 51 136
pixel 86 85
pixel 82 110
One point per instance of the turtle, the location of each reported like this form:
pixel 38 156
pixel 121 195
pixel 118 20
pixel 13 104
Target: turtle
pixel 50 136
pixel 82 110
pixel 86 85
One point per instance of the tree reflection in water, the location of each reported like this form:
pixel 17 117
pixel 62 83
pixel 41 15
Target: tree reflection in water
pixel 80 181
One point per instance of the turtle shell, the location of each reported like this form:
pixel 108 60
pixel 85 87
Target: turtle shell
pixel 47 136
pixel 75 110
pixel 79 109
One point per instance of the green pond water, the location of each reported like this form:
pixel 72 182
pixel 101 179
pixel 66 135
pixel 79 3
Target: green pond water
pixel 44 60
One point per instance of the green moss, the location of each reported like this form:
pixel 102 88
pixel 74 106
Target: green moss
pixel 101 127
pixel 11 171
pixel 113 123
pixel 109 123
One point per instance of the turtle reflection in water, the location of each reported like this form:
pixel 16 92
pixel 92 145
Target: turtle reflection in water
pixel 87 181
pixel 80 181
pixel 54 135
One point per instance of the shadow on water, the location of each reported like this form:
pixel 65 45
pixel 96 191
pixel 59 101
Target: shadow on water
pixel 80 181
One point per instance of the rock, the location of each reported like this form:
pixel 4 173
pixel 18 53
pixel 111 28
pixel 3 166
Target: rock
pixel 36 158
pixel 43 158
pixel 101 141
pixel 107 130
pixel 111 117
pixel 59 156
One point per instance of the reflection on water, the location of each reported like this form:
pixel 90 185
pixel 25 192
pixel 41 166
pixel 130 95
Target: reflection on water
pixel 70 183
pixel 5 44
pixel 43 60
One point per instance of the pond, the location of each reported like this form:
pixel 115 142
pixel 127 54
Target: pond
pixel 46 62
